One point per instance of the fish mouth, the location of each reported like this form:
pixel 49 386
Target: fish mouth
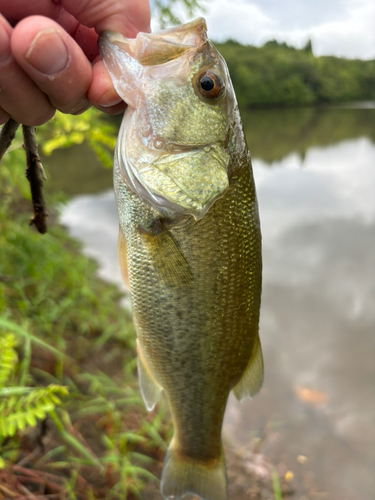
pixel 150 49
pixel 127 58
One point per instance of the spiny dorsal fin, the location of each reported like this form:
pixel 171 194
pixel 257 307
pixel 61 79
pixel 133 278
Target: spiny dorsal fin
pixel 252 378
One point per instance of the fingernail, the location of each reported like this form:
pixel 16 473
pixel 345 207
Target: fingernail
pixel 48 53
pixel 5 53
pixel 109 99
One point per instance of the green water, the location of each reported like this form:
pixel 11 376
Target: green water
pixel 275 133
pixel 271 135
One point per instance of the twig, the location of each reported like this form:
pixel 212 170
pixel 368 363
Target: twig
pixel 35 477
pixel 7 135
pixel 30 456
pixel 34 172
pixel 7 491
pixel 27 492
pixel 35 175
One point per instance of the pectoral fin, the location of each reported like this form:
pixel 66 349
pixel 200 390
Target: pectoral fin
pixel 169 261
pixel 252 378
pixel 150 389
pixel 123 258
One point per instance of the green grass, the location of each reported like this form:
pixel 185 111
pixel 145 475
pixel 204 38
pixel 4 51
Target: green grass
pixel 66 328
pixel 276 485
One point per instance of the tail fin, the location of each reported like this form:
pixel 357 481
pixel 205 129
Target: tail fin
pixel 182 475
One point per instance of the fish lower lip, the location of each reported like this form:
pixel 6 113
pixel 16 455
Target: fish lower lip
pixel 177 148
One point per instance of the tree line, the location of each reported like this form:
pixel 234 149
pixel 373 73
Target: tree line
pixel 279 75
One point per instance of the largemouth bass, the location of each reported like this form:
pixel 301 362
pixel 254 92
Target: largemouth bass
pixel 189 242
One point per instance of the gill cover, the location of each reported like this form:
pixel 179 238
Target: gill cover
pixel 171 146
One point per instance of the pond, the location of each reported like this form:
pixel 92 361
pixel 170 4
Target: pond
pixel 315 175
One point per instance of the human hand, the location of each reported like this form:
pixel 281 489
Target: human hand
pixel 50 59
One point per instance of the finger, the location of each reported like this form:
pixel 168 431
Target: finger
pixel 101 92
pixel 87 39
pixel 84 36
pixel 125 16
pixel 18 9
pixel 20 98
pixel 54 62
pixel 4 117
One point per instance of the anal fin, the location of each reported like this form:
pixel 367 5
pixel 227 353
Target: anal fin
pixel 150 389
pixel 252 378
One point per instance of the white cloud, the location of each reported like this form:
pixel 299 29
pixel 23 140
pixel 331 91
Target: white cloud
pixel 338 27
pixel 297 14
pixel 239 20
pixel 351 37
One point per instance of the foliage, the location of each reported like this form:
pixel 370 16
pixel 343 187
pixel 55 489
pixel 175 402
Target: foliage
pixel 167 10
pixel 21 406
pixel 276 485
pixel 64 132
pixel 18 410
pixel 64 332
pixel 279 75
pixel 62 329
pixel 8 358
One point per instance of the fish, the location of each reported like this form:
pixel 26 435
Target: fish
pixel 189 241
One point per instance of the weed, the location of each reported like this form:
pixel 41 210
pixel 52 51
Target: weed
pixel 72 418
pixel 276 485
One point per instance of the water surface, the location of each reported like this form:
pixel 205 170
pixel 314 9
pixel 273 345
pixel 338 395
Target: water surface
pixel 315 175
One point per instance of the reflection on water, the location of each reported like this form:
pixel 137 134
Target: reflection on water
pixel 315 174
pixel 318 318
pixel 275 133
pixel 77 171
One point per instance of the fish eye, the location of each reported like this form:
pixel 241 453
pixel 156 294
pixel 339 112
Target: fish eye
pixel 210 84
pixel 207 83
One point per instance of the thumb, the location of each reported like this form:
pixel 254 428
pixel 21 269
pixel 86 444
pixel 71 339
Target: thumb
pixel 127 17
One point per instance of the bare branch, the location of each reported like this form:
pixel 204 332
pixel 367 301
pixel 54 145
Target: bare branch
pixel 35 175
pixel 7 135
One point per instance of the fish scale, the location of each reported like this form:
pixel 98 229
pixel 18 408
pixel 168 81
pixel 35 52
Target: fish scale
pixel 212 248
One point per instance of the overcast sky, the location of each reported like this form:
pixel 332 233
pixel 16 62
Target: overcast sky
pixel 339 27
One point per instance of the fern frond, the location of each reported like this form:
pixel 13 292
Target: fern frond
pixel 8 357
pixel 19 411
